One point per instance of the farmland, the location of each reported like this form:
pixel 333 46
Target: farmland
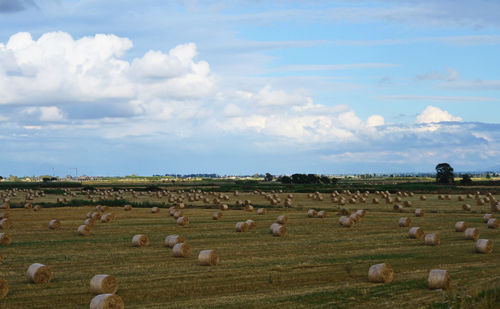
pixel 317 264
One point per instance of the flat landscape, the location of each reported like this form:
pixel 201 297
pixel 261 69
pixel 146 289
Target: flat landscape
pixel 318 263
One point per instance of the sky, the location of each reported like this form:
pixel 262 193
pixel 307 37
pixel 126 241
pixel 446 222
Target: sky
pixel 149 87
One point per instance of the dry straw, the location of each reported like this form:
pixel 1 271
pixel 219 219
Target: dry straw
pixel 416 232
pixel 106 218
pixel 103 284
pixel 471 233
pixel 54 224
pixel 460 226
pixel 4 288
pixel 140 240
pixel 183 221
pixel 39 273
pixel 278 230
pixel 241 227
pixel 172 240
pixel 107 301
pixel 404 222
pixel 5 224
pixel 5 239
pixel 322 214
pixel 251 224
pixel 182 250
pixel 380 273
pixel 484 246
pixel 345 221
pixel 438 279
pixel 311 213
pixel 487 217
pixel 432 239
pixel 283 219
pixel 419 212
pixel 84 230
pixel 493 223
pixel 208 258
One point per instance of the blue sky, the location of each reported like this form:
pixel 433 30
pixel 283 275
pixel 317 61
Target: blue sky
pixel 241 87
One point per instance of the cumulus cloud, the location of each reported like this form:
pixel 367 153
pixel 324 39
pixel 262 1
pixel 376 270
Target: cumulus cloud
pixel 434 114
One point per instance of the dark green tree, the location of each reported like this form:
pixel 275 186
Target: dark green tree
pixel 466 180
pixel 444 173
pixel 285 179
pixel 268 177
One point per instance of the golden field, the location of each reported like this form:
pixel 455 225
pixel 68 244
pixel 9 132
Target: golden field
pixel 317 264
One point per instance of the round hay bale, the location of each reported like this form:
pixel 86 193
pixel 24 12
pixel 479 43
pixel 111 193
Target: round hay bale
pixel 249 208
pixel 495 206
pixel 407 203
pixel 484 246
pixel 140 240
pixel 5 224
pixel 460 226
pixel 216 215
pixel 397 207
pixel 54 224
pixel 183 221
pixel 419 212
pixel 4 288
pixel 103 284
pixel 345 221
pixel 4 215
pixel 460 198
pixel 251 224
pixel 37 208
pixel 380 273
pixel 180 205
pixel 466 207
pixel 273 226
pixel 361 212
pixel 127 207
pixel 89 222
pixel 241 227
pixel 103 208
pixel 28 206
pixel 438 279
pixel 355 217
pixel 261 211
pixel 178 214
pixel 5 239
pixel 432 239
pixel 95 216
pixel 208 258
pixel 311 213
pixel 182 249
pixel 283 219
pixel 224 207
pixel 423 198
pixel 39 273
pixel 493 223
pixel 322 214
pixel 106 218
pixel 107 301
pixel 344 212
pixel 172 240
pixel 404 222
pixel 416 233
pixel 471 233
pixel 375 201
pixel 155 210
pixel 83 230
pixel 486 217
pixel 278 230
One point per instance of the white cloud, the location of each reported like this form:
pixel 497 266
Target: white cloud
pixel 433 114
pixel 375 121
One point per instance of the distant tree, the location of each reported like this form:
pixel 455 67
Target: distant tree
pixel 488 175
pixel 466 179
pixel 444 173
pixel 268 177
pixel 324 179
pixel 285 179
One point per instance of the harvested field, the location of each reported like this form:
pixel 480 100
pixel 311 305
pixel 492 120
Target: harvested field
pixel 318 263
